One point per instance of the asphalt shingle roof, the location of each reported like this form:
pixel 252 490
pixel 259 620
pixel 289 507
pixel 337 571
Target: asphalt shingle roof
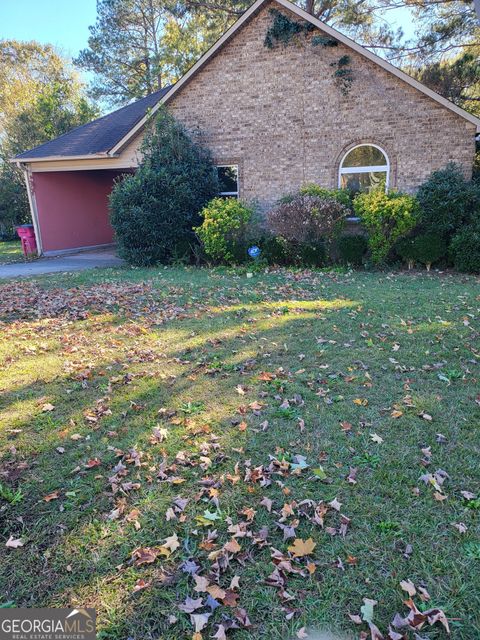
pixel 98 136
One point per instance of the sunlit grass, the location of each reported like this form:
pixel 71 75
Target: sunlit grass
pixel 343 348
pixel 11 252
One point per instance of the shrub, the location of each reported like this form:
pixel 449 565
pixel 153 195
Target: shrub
pixel 447 200
pixel 154 210
pixel 426 249
pixel 277 251
pixel 387 217
pixel 352 249
pixel 465 249
pixel 223 231
pixel 341 195
pixel 306 219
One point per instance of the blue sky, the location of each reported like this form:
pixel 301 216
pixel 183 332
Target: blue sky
pixel 65 23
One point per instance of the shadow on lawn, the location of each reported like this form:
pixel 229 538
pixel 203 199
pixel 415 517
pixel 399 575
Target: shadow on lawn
pixel 98 550
pixel 56 539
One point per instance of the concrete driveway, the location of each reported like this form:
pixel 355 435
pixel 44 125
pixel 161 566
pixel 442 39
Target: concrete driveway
pixel 70 262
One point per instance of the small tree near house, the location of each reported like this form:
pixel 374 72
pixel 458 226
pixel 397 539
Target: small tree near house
pixel 154 210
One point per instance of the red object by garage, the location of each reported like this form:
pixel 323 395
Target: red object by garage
pixel 26 234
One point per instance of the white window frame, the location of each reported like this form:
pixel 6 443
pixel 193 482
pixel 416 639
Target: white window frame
pixel 236 193
pixel 380 168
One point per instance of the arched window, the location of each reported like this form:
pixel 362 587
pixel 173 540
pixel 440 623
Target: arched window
pixel 364 168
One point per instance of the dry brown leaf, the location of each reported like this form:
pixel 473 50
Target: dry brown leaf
pixel 51 496
pixel 216 592
pixel 301 548
pixel 409 587
pixel 232 546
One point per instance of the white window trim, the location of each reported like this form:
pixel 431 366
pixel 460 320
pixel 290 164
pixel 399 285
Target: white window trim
pixel 380 168
pixel 231 193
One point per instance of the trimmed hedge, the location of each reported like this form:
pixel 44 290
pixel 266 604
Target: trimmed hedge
pixel 465 249
pixel 426 249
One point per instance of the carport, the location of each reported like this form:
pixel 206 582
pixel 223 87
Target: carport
pixel 72 208
pixel 70 178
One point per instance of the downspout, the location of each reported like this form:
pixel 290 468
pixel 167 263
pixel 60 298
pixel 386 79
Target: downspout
pixel 27 174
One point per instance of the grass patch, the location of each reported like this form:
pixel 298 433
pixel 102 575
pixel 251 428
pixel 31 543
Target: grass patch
pixel 140 405
pixel 11 252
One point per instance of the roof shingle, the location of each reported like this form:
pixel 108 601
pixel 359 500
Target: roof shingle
pixel 98 136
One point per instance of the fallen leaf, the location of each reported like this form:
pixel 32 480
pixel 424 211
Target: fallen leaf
pixel 367 609
pixel 335 504
pixel 190 605
pixel 216 592
pixel 301 548
pixel 220 634
pixel 409 587
pixel 355 618
pixel 14 543
pixel 201 583
pixel 199 620
pixel 171 544
pixel 51 496
pixel 144 555
pixel 425 416
pixel 232 546
pixel 267 503
pixel 140 585
pixel 362 402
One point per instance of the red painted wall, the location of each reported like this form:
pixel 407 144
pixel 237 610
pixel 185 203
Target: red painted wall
pixel 73 208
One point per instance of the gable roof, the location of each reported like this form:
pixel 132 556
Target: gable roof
pixel 108 136
pixel 96 138
pixel 333 33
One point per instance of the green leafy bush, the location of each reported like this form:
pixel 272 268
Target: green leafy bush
pixel 154 210
pixel 447 200
pixel 279 251
pixel 465 249
pixel 341 195
pixel 352 249
pixel 387 217
pixel 223 231
pixel 426 248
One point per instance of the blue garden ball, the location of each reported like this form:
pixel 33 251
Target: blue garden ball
pixel 254 252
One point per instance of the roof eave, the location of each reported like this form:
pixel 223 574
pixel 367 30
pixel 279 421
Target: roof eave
pixel 92 156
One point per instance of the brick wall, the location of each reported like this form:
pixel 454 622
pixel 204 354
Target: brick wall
pixel 279 115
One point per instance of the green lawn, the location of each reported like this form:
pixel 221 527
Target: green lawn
pixel 141 405
pixel 10 251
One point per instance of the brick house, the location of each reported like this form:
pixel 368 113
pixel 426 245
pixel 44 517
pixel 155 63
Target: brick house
pixel 273 118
